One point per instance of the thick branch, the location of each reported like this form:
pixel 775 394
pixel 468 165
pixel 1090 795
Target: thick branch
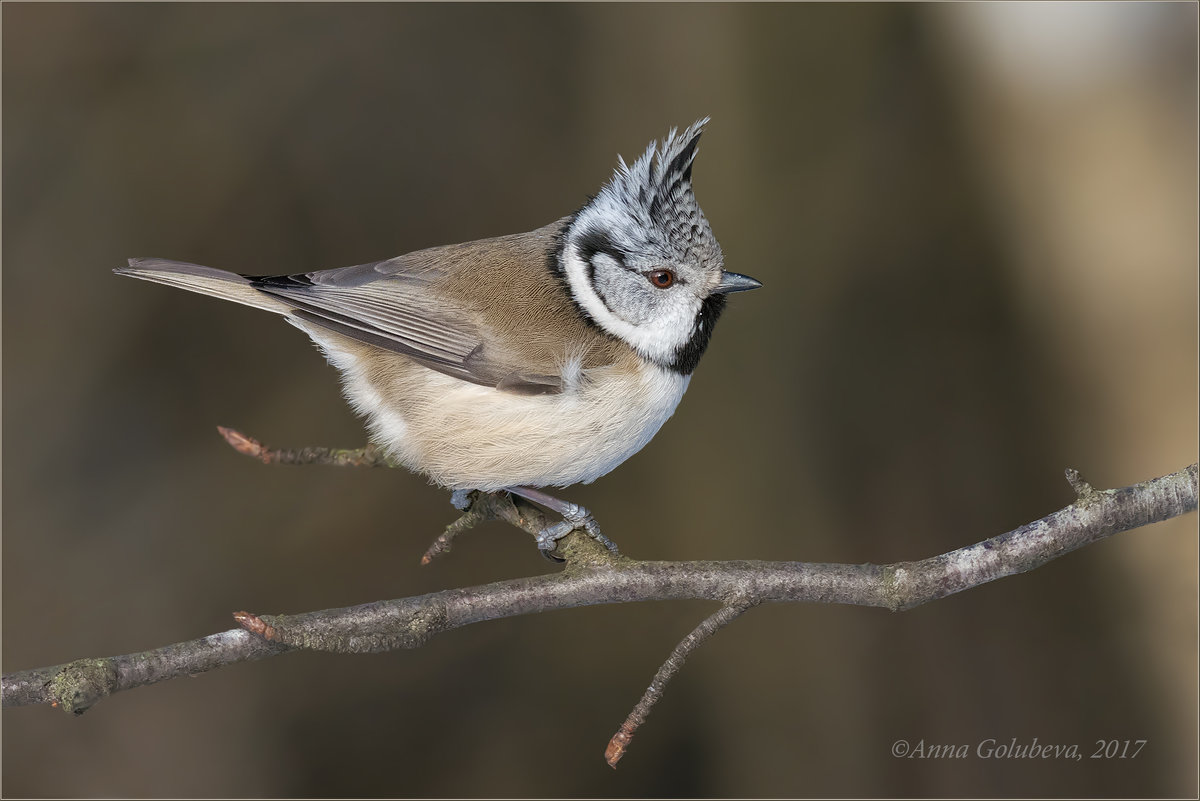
pixel 77 685
pixel 590 579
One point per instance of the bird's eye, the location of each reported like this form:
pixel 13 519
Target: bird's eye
pixel 661 278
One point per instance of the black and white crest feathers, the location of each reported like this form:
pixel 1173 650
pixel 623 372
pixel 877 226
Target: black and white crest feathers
pixel 649 207
pixel 659 183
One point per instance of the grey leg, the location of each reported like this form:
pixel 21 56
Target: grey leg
pixel 574 517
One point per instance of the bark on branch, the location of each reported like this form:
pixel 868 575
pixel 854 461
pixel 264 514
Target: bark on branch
pixel 594 576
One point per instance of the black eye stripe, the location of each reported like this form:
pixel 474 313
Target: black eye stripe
pixel 596 240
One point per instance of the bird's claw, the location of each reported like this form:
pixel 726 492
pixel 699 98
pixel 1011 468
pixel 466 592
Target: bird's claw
pixel 575 517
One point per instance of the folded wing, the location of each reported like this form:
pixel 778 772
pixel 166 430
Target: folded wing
pixel 391 304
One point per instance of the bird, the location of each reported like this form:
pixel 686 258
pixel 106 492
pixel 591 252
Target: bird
pixel 520 362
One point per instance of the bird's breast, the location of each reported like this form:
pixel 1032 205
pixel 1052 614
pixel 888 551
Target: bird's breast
pixel 467 436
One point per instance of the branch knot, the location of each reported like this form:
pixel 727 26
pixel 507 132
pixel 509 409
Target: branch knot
pixel 80 684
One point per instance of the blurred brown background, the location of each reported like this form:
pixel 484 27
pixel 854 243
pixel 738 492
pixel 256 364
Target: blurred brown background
pixel 976 227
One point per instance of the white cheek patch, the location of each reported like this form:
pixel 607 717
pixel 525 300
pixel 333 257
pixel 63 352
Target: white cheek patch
pixel 657 339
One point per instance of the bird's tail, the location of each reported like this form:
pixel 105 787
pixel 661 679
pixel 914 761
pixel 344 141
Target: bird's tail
pixel 205 280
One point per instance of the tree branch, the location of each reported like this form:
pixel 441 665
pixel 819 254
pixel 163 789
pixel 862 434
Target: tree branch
pixel 594 576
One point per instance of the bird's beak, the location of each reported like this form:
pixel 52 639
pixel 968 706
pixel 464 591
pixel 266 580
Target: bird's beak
pixel 735 282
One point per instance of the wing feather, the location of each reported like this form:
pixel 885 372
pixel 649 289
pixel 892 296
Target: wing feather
pixel 411 323
pixel 423 305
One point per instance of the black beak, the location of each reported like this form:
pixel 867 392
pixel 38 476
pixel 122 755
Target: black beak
pixel 735 282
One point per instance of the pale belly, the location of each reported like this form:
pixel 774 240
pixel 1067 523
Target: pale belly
pixel 467 436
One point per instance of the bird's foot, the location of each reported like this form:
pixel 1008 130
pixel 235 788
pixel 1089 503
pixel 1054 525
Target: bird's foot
pixel 461 499
pixel 575 518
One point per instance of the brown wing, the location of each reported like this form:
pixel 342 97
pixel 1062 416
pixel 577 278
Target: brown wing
pixel 437 307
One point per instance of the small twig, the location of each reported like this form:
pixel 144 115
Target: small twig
pixel 368 456
pixel 479 512
pixel 1082 488
pixel 711 625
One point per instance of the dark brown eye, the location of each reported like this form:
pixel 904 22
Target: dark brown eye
pixel 661 278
